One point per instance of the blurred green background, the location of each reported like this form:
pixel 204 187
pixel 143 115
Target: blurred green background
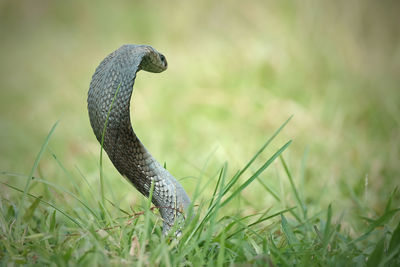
pixel 237 71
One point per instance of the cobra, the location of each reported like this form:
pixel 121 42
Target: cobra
pixel 109 105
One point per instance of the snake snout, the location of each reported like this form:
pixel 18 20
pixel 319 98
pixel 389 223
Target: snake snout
pixel 163 60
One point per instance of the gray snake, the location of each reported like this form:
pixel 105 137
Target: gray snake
pixel 129 156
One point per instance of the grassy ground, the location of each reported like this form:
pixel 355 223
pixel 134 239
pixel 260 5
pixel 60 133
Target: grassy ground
pixel 237 71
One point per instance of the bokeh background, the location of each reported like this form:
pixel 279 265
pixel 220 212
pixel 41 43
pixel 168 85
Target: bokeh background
pixel 237 71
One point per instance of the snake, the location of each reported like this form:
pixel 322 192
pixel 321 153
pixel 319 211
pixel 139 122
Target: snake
pixel 108 104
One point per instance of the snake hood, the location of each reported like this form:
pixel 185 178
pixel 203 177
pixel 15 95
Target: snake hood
pixel 129 156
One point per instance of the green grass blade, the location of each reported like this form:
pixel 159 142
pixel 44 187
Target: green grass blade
pixel 395 239
pixel 45 202
pixel 242 187
pixel 237 176
pixel 94 195
pixel 29 211
pixel 102 143
pixel 255 175
pixel 327 231
pixel 218 183
pixel 235 222
pixel 52 221
pixel 261 220
pixel 390 200
pixel 377 255
pixel 269 190
pixel 302 175
pixel 59 188
pixel 296 193
pixel 214 214
pixel 198 190
pixel 34 167
pixel 272 216
pixel 118 208
pixel 70 178
pixel 146 225
pixel 376 223
pixel 287 229
pixel 221 252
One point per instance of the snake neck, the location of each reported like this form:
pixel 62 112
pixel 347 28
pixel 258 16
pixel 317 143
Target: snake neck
pixel 112 83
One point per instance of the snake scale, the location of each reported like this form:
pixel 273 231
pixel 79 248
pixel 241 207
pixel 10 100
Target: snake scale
pixel 129 156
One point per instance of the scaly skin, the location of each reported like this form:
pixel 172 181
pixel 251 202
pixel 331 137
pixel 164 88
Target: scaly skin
pixel 123 147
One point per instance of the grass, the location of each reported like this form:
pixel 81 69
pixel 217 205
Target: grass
pixel 43 229
pixel 237 70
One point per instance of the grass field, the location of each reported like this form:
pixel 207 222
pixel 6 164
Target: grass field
pixel 323 192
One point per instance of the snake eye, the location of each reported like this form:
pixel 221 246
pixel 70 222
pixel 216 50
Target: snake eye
pixel 163 59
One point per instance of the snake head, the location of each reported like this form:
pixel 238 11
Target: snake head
pixel 153 61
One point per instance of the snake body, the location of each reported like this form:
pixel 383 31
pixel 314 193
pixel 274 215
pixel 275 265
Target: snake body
pixel 129 156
